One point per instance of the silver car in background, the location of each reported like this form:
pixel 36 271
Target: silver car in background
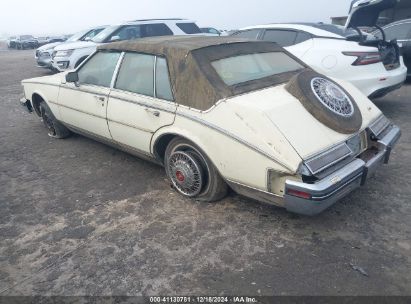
pixel 44 54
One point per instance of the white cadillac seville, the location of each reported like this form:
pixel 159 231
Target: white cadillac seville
pixel 219 113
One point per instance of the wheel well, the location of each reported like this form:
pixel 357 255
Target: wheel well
pixel 161 145
pixel 36 99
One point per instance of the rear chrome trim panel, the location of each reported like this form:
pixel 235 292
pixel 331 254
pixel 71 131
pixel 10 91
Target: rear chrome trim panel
pixel 328 158
pixel 311 199
pixel 378 126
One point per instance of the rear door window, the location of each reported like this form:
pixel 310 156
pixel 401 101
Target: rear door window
pixel 126 33
pixel 99 69
pixel 163 86
pixel 282 37
pixel 250 34
pixel 189 28
pixel 159 29
pixel 136 74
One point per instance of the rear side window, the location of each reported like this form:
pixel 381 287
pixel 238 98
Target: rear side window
pixel 250 34
pixel 163 87
pixel 136 74
pixel 126 33
pixel 189 28
pixel 160 29
pixel 281 37
pixel 301 37
pixel 99 69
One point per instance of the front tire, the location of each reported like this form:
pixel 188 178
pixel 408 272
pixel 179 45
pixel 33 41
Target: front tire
pixel 192 173
pixel 55 128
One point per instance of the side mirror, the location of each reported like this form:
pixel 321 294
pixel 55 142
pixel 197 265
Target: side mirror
pixel 72 77
pixel 87 39
pixel 115 38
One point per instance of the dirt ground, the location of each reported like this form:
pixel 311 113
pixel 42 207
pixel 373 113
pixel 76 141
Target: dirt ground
pixel 80 218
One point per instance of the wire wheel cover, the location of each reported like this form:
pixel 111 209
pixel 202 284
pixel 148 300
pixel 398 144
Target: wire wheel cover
pixel 186 173
pixel 332 97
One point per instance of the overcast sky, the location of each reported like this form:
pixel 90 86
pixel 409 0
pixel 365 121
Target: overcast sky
pixel 61 17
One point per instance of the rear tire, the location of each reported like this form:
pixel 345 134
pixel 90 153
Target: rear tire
pixel 192 173
pixel 55 128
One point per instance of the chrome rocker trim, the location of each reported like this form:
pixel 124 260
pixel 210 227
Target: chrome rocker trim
pixel 337 185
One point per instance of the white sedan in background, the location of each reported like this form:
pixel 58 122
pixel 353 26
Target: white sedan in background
pixel 375 71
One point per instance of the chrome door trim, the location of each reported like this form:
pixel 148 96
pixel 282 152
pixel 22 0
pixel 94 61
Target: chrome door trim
pixel 80 89
pixel 234 137
pixel 143 104
pixel 116 70
pixel 113 143
pixel 84 112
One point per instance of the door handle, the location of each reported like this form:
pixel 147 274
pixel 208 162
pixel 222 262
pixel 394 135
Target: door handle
pixel 153 112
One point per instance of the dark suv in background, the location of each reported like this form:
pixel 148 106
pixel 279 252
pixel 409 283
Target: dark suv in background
pixel 26 42
pixel 400 30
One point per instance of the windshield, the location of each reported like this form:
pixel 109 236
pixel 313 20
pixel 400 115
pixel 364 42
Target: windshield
pixel 103 35
pixel 243 68
pixel 26 37
pixel 77 36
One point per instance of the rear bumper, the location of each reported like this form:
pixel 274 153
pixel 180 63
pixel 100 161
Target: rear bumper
pixel 379 81
pixel 44 62
pixel 311 199
pixel 384 91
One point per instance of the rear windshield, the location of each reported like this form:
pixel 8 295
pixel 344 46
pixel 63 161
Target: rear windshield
pixel 189 28
pixel 243 68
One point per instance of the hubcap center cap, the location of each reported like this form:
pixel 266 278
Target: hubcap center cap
pixel 180 176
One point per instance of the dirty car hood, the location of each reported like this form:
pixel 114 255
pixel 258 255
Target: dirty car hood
pixel 54 80
pixel 366 12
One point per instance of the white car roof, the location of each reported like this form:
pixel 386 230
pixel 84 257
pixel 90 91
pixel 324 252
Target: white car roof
pixel 151 21
pixel 306 28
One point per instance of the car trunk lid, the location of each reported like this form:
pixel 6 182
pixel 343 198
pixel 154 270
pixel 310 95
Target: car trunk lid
pixel 365 13
pixel 284 112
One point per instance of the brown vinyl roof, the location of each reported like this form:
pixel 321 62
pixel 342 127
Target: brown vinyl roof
pixel 194 81
pixel 161 45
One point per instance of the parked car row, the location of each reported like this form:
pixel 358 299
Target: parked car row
pixel 23 42
pixel 69 55
pixel 292 119
pixel 44 54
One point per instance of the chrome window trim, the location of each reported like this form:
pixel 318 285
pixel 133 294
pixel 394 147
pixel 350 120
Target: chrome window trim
pixel 155 77
pixel 116 70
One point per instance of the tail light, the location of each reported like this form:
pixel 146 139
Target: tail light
pixel 300 194
pixel 364 58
